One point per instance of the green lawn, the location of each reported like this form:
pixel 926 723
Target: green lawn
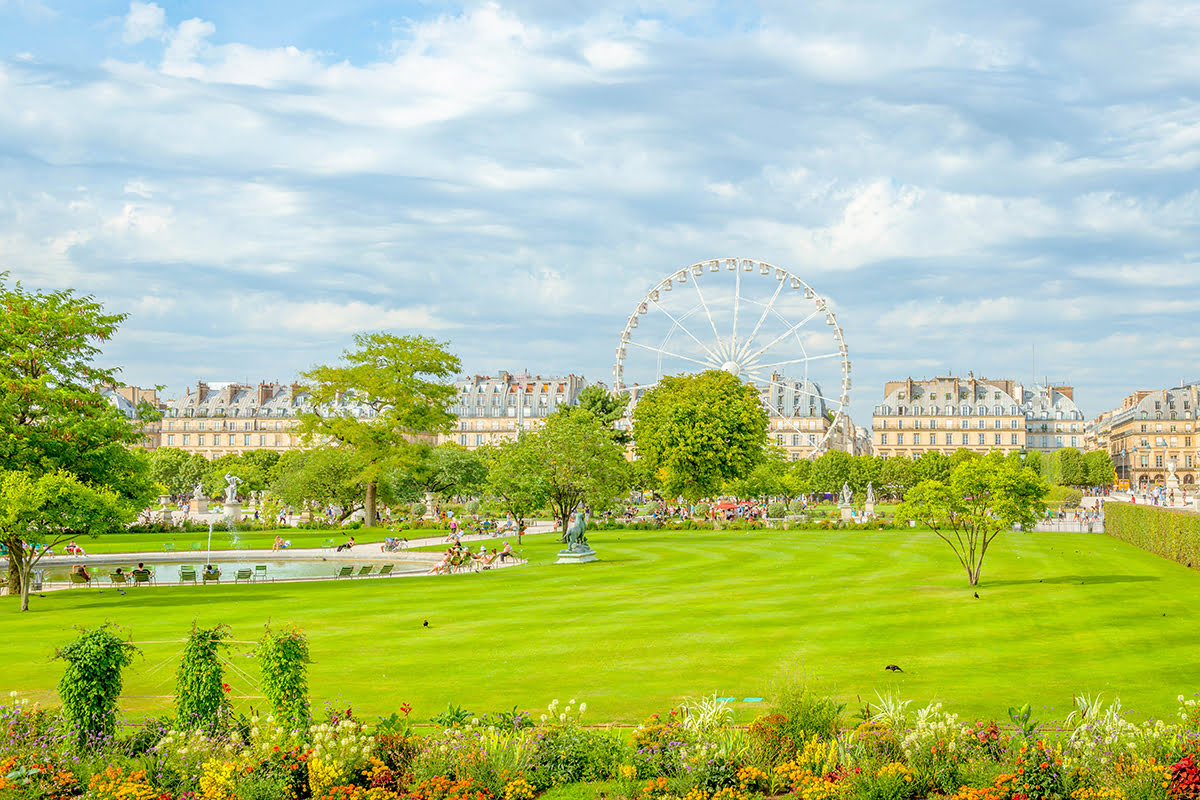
pixel 668 615
pixel 223 539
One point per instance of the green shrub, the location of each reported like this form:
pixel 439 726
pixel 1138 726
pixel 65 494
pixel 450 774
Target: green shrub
pixel 796 506
pixel 1066 496
pixel 701 510
pixel 805 712
pixel 1170 534
pixel 776 510
pixel 472 507
pixel 417 510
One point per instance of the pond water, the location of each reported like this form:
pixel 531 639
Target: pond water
pixel 276 569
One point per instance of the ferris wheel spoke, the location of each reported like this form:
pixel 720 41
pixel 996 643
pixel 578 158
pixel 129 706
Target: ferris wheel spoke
pixel 758 325
pixel 682 327
pixel 756 365
pixel 662 352
pixel 783 335
pixel 708 313
pixel 737 304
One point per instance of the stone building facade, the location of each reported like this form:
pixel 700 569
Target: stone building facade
pixel 1152 429
pixel 949 413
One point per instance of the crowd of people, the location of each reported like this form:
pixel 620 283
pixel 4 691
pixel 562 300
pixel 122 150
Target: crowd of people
pixel 459 557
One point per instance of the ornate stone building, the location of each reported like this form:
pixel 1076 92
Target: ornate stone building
pixel 1152 429
pixel 493 408
pixel 945 414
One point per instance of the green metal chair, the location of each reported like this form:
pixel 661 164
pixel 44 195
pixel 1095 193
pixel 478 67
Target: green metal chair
pixel 384 571
pixel 364 572
pixel 168 547
pixel 243 574
pixel 260 572
pixel 344 572
pixel 142 577
pixel 118 578
pixel 187 575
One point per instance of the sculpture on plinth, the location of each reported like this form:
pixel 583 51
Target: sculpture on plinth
pixel 231 488
pixel 578 550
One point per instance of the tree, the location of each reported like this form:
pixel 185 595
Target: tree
pixel 864 470
pixel 698 431
pixel 321 476
pixel 446 470
pixel 797 480
pixel 401 380
pixel 52 416
pixel 960 455
pixel 513 477
pixel 984 497
pixel 896 476
pixel 831 471
pixel 177 471
pixel 1065 467
pixel 932 465
pixel 1098 466
pixel 254 467
pixel 763 482
pixel 50 510
pixel 607 407
pixel 576 460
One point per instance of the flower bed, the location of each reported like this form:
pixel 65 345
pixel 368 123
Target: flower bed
pixel 803 748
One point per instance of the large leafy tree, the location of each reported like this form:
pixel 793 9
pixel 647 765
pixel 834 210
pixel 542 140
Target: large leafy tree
pixel 575 459
pixel 321 476
pixel 1065 467
pixel 52 415
pixel 831 471
pixel 696 432
pixel 983 498
pixel 897 475
pixel 1098 466
pixel 446 471
pixel 403 381
pixel 49 510
pixel 254 467
pixel 177 471
pixel 514 477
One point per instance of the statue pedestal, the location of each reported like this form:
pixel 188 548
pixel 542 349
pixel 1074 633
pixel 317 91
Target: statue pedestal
pixel 577 556
pixel 233 512
pixel 869 509
pixel 847 512
pixel 198 505
pixel 165 515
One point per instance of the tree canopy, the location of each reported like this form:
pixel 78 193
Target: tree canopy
pixel 607 407
pixel 402 380
pixel 696 432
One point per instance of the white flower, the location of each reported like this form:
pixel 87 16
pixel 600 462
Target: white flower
pixel 562 717
pixel 543 717
pixel 582 707
pixel 571 701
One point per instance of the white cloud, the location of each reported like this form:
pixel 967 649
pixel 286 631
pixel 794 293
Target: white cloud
pixel 144 21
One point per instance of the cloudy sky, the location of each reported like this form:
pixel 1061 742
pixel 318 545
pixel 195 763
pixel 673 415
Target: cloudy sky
pixel 255 182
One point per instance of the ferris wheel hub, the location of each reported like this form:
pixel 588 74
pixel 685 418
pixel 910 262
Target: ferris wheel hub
pixel 732 367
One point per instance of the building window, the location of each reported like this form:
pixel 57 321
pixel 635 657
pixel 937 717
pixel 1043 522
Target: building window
pixel 171 439
pixel 997 439
pixel 479 440
pixel 232 440
pixel 883 438
pixel 981 439
pixel 1145 461
pixel 262 440
pixel 899 438
pixel 949 438
pixel 966 438
pixel 245 439
pixel 200 440
pixel 1014 438
pixel 916 438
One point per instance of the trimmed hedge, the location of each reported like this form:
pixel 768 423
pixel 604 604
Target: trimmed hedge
pixel 1164 532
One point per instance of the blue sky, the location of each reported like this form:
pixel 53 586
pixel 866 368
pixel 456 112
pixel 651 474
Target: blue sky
pixel 253 183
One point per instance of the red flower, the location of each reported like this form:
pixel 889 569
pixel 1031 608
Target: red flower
pixel 225 687
pixel 405 709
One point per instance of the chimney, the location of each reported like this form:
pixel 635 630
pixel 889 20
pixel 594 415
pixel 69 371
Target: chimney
pixel 1066 391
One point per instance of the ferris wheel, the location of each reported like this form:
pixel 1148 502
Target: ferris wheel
pixel 753 320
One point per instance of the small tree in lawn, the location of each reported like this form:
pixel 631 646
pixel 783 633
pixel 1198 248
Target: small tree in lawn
pixel 92 681
pixel 199 686
pixel 513 477
pixel 983 498
pixel 283 657
pixel 577 460
pixel 51 510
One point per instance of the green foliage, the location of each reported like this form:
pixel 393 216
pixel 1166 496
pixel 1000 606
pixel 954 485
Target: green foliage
pixel 1065 496
pixel 830 471
pixel 417 510
pixel 606 407
pixel 695 432
pixel 52 508
pixel 1065 467
pixel 570 459
pixel 797 480
pixel 199 685
pixel 453 717
pixel 178 470
pixel 805 712
pixel 984 497
pixel 897 475
pixel 1023 718
pixel 446 470
pixel 402 379
pixel 256 468
pixel 283 658
pixel 52 418
pixel 321 476
pixel 92 681
pixel 931 465
pixel 570 753
pixel 1098 468
pixel 1171 534
pixel 776 510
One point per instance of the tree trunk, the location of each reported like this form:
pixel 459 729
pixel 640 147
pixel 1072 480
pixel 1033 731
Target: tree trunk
pixel 369 505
